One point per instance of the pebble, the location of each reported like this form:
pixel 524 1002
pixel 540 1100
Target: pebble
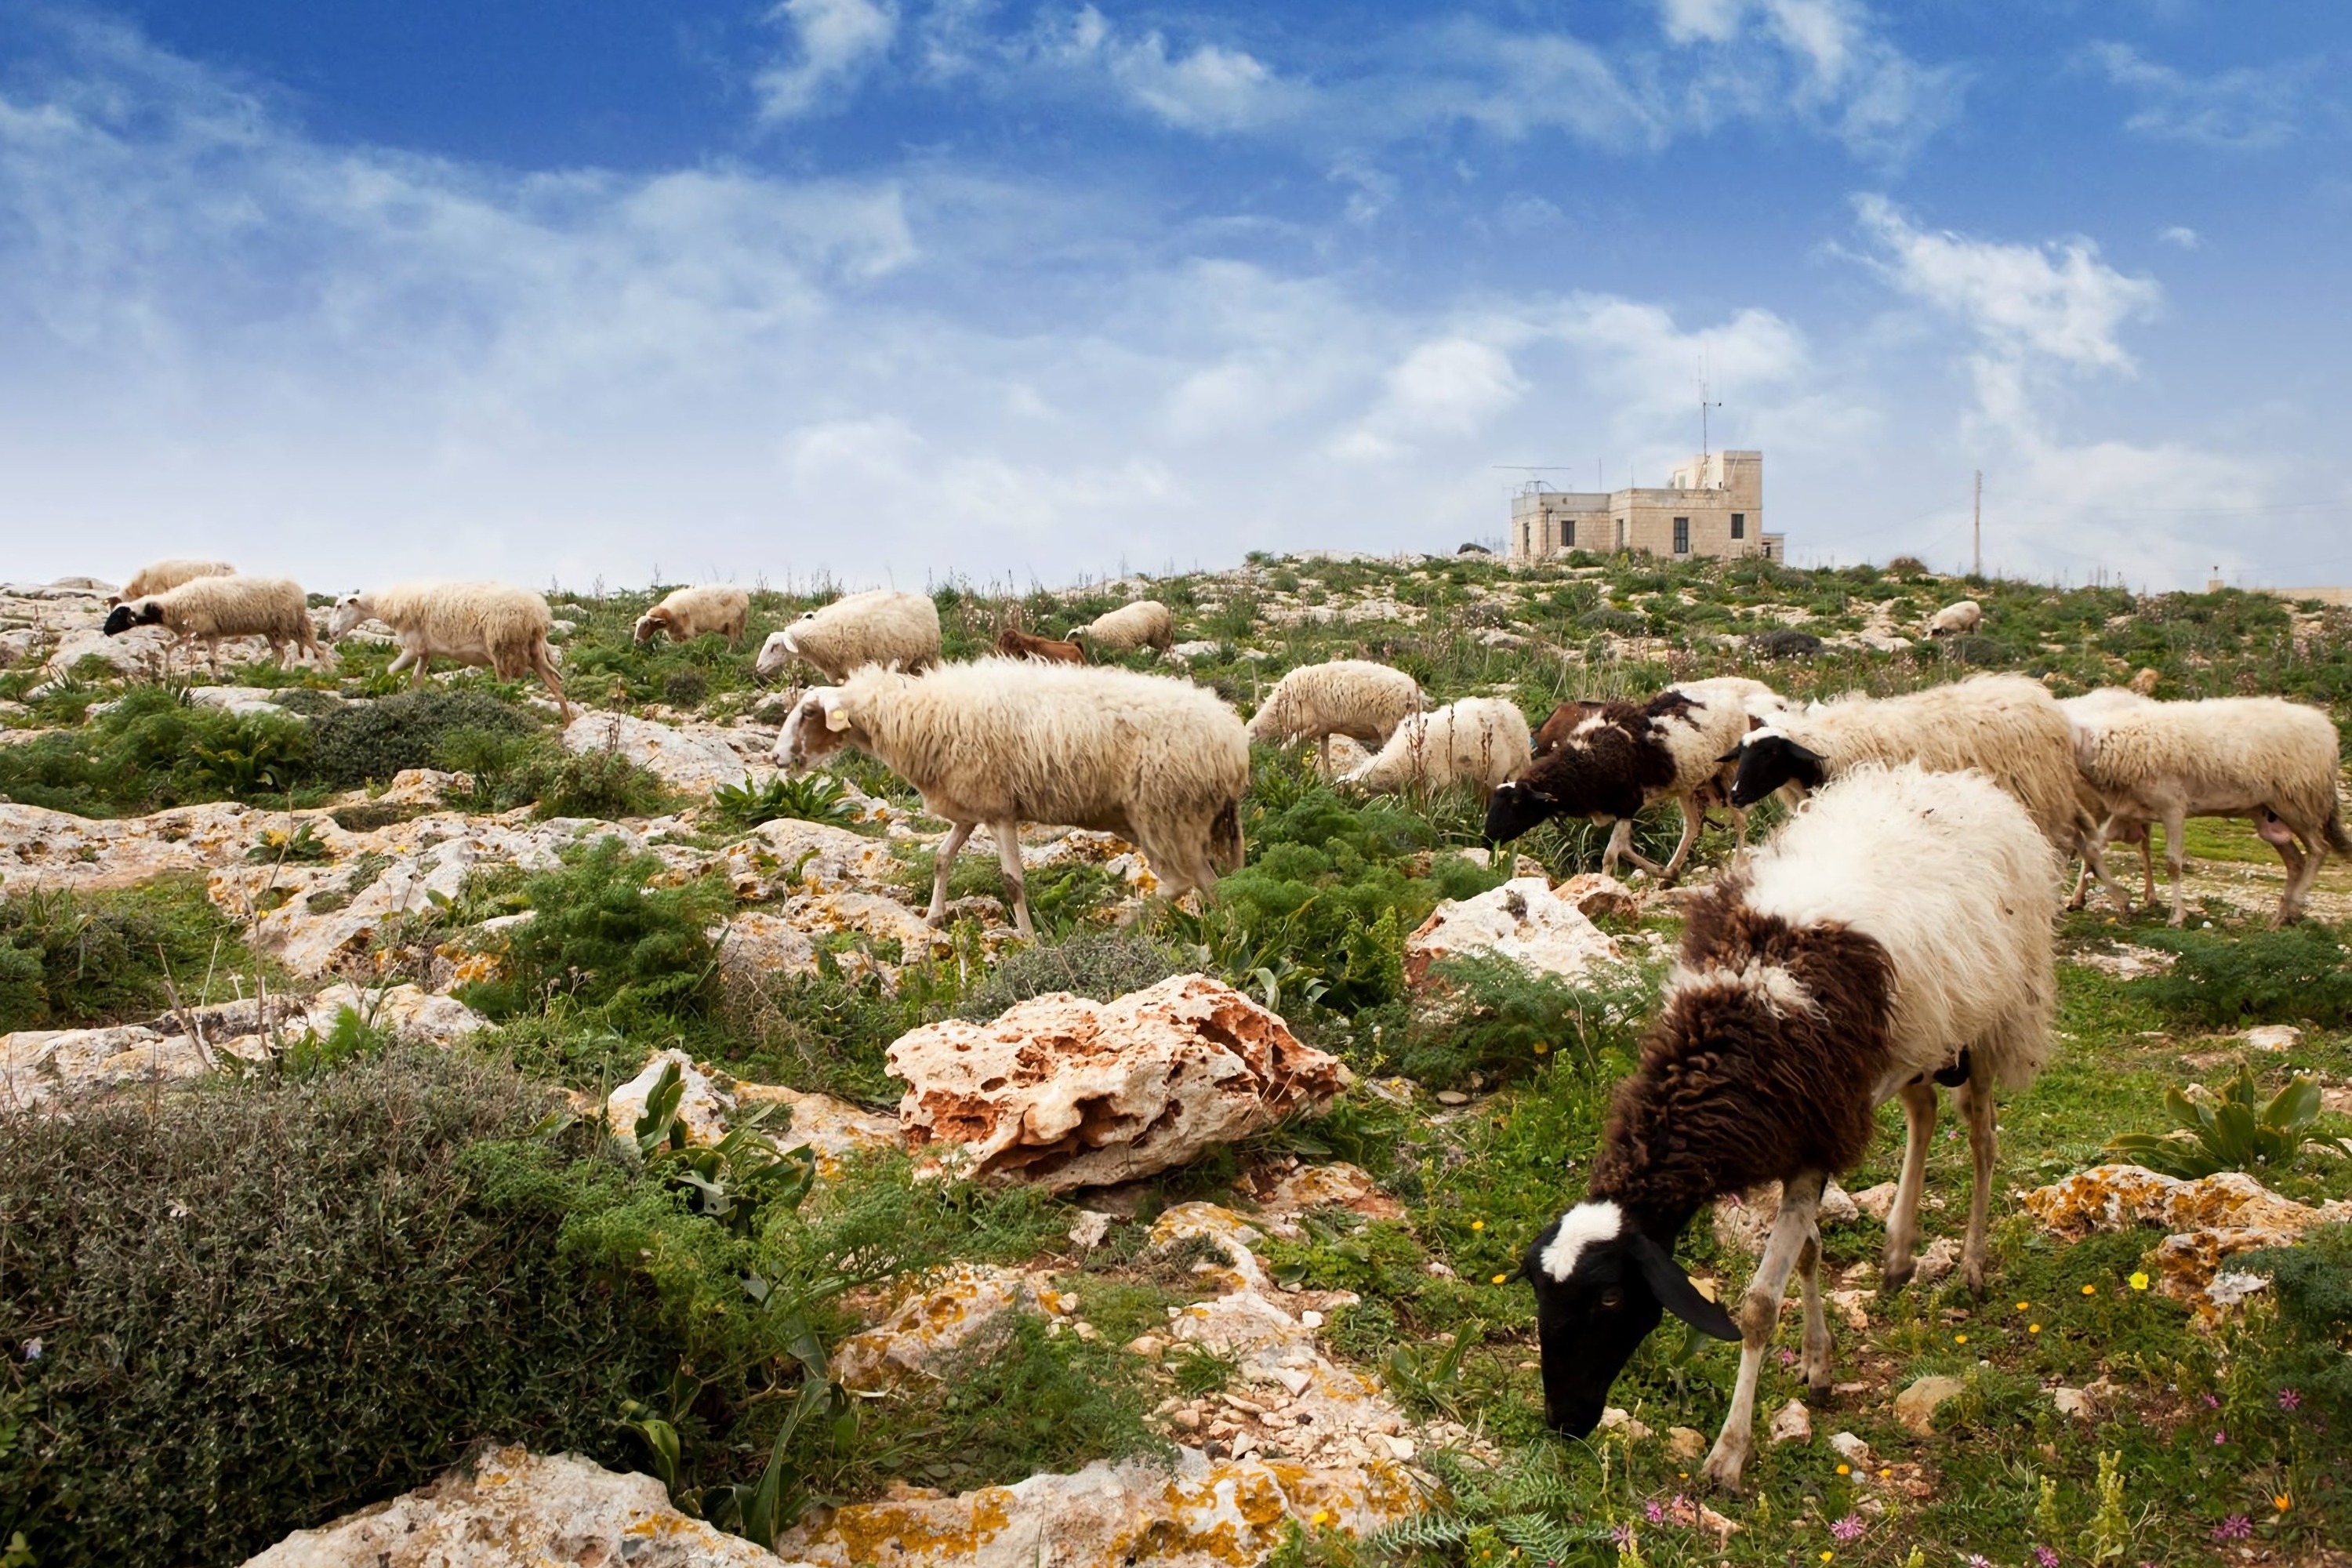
pixel 1452 1097
pixel 1793 1423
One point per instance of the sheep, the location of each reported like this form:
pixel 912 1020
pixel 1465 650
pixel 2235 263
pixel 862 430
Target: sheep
pixel 161 576
pixel 1609 760
pixel 690 612
pixel 1014 643
pixel 1162 762
pixel 206 609
pixel 2132 831
pixel 1479 739
pixel 1897 935
pixel 1955 620
pixel 884 626
pixel 487 624
pixel 2007 725
pixel 2261 757
pixel 1351 697
pixel 1145 623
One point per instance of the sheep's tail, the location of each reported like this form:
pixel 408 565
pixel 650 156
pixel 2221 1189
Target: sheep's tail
pixel 545 665
pixel 1225 848
pixel 2337 839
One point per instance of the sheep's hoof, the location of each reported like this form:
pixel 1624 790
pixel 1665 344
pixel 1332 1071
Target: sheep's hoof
pixel 1972 1272
pixel 1724 1464
pixel 1895 1273
pixel 936 919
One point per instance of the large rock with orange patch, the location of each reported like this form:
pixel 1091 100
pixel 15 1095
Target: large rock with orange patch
pixel 935 1319
pixel 1523 920
pixel 1069 1093
pixel 1199 1515
pixel 519 1510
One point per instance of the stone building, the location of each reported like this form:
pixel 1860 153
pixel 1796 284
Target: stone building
pixel 1711 505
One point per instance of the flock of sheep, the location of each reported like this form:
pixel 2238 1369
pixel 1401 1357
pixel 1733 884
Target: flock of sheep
pixel 1895 935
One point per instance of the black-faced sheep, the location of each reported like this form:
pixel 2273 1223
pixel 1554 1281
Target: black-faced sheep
pixel 1897 935
pixel 485 625
pixel 887 626
pixel 1147 623
pixel 1351 697
pixel 1606 761
pixel 1162 762
pixel 2260 757
pixel 686 614
pixel 1480 740
pixel 159 576
pixel 206 609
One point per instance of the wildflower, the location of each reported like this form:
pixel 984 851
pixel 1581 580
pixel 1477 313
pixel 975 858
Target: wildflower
pixel 1541 1047
pixel 2090 1289
pixel 2024 1305
pixel 2139 1280
pixel 1788 1356
pixel 1320 1518
pixel 2237 1527
pixel 2219 1438
pixel 1959 1339
pixel 1623 1536
pixel 1826 1556
pixel 2045 1556
pixel 2282 1503
pixel 1850 1528
pixel 1477 1224
pixel 2211 1402
pixel 2289 1398
pixel 2032 1328
pixel 33 1349
pixel 1845 1469
pixel 1500 1278
pixel 1978 1560
pixel 1654 1512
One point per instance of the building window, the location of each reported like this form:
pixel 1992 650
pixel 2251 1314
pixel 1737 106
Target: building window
pixel 1738 525
pixel 1681 536
pixel 1568 534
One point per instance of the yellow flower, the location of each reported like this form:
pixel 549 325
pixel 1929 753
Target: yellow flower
pixel 1500 1278
pixel 1845 1469
pixel 1959 1339
pixel 2282 1503
pixel 2032 1328
pixel 2090 1289
pixel 2022 1305
pixel 2139 1281
pixel 1827 1555
pixel 1321 1518
pixel 1541 1047
pixel 1477 1224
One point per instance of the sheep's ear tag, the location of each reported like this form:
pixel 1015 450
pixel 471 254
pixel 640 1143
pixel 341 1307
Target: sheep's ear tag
pixel 835 718
pixel 1676 1294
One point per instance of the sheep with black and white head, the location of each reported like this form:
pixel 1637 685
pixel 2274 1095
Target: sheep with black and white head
pixel 1896 935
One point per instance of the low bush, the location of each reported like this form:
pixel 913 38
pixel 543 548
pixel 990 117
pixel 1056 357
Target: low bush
pixel 2305 1360
pixel 1496 1018
pixel 1102 966
pixel 2227 980
pixel 152 750
pixel 74 960
pixel 361 743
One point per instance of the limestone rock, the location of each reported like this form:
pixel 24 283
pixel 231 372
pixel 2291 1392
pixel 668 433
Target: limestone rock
pixel 1793 1423
pixel 684 760
pixel 791 855
pixel 1743 1224
pixel 869 914
pixel 38 1067
pixel 519 1510
pixel 137 651
pixel 247 700
pixel 704 1110
pixel 1685 1443
pixel 1854 1306
pixel 1614 1420
pixel 2273 1037
pixel 1916 1405
pixel 2074 1403
pixel 1522 919
pixel 936 1318
pixel 832 1129
pixel 1937 1261
pixel 1069 1093
pixel 422 786
pixel 758 951
pixel 1335 1185
pixel 1877 1202
pixel 1207 1514
pixel 407 1011
pixel 1851 1448
pixel 1596 894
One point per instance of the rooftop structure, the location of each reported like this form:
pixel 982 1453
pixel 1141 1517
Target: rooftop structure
pixel 1711 505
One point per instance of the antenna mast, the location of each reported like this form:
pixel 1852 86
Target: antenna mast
pixel 1975 555
pixel 1704 449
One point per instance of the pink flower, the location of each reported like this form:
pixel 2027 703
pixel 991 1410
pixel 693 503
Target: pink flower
pixel 2237 1527
pixel 2219 1438
pixel 2210 1403
pixel 2045 1556
pixel 2289 1398
pixel 1850 1528
pixel 1788 1356
pixel 1978 1560
pixel 1655 1514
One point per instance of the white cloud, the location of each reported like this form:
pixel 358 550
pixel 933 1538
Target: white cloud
pixel 839 41
pixel 1212 89
pixel 2243 108
pixel 2182 236
pixel 1849 79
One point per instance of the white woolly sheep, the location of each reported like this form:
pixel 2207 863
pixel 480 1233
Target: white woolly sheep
pixel 2260 757
pixel 1162 762
pixel 1351 697
pixel 161 576
pixel 2006 725
pixel 1480 740
pixel 486 625
pixel 1896 935
pixel 1955 620
pixel 2081 710
pixel 206 609
pixel 1147 623
pixel 885 625
pixel 686 614
pixel 1609 760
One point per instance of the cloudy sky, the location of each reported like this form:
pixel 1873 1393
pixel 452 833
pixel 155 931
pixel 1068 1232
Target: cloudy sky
pixel 895 289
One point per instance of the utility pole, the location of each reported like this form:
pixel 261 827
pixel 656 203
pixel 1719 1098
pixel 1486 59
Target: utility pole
pixel 1703 406
pixel 1975 555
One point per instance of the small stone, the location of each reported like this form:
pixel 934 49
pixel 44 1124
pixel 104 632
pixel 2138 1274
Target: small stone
pixel 1452 1097
pixel 1614 1420
pixel 1245 1444
pixel 1310 1319
pixel 1877 1202
pixel 1294 1379
pixel 2073 1402
pixel 1851 1448
pixel 1150 1347
pixel 1400 1448
pixel 1685 1443
pixel 1837 1207
pixel 1185 1420
pixel 2273 1037
pixel 1937 1262
pixel 1854 1306
pixel 1090 1229
pixel 1792 1424
pixel 1916 1406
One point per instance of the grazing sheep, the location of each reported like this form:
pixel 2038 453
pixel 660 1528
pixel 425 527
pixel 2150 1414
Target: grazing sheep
pixel 2132 831
pixel 1606 761
pixel 2006 725
pixel 161 576
pixel 1479 739
pixel 1162 762
pixel 1351 697
pixel 1896 935
pixel 686 614
pixel 1786 643
pixel 1147 623
pixel 1955 620
pixel 206 609
pixel 1014 643
pixel 887 626
pixel 2260 757
pixel 485 625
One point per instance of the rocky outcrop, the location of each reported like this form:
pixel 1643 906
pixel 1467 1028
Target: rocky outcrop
pixel 704 1109
pixel 1523 920
pixel 519 1510
pixel 1069 1093
pixel 687 760
pixel 933 1322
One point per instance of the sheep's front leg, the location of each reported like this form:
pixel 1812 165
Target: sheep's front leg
pixel 1323 756
pixel 1974 1102
pixel 1008 854
pixel 1894 1268
pixel 1738 833
pixel 2176 857
pixel 1693 815
pixel 1759 1313
pixel 1816 1365
pixel 1620 846
pixel 942 867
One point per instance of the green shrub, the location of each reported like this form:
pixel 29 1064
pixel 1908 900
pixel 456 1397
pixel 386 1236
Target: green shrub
pixel 73 960
pixel 603 936
pixel 1102 966
pixel 2241 1130
pixel 2227 981
pixel 807 797
pixel 259 1308
pixel 152 750
pixel 362 741
pixel 600 781
pixel 2312 1285
pixel 1499 1018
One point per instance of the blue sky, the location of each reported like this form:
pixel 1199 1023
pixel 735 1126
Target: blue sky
pixel 891 290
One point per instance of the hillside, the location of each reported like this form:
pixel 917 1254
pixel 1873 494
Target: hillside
pixel 338 982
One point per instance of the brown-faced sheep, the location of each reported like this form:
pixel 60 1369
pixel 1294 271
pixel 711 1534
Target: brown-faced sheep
pixel 686 614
